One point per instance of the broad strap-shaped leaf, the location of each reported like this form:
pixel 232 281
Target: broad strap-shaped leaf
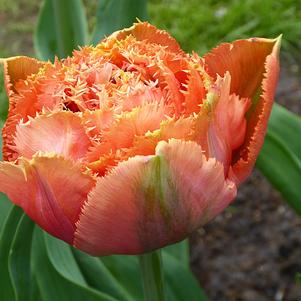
pixel 62 27
pixel 6 239
pixel 280 157
pixel 55 282
pixel 180 281
pixel 3 98
pixel 19 260
pixel 5 204
pixel 105 280
pixel 113 15
pixel 180 251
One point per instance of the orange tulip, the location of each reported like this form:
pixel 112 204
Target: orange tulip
pixel 133 144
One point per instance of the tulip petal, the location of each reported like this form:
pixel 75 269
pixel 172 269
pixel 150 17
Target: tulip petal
pixel 245 157
pixel 254 68
pixel 15 69
pixel 145 31
pixel 150 201
pixel 59 132
pixel 18 67
pixel 50 189
pixel 245 60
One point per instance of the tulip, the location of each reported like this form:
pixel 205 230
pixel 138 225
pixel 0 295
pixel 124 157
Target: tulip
pixel 133 144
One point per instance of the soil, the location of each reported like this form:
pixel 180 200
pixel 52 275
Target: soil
pixel 252 251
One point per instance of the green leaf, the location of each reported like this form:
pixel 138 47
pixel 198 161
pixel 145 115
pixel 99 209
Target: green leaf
pixel 113 15
pixel 6 239
pixel 181 283
pixel 126 270
pixel 5 204
pixel 19 260
pixel 280 157
pixel 62 259
pixel 3 98
pixel 179 251
pixel 56 282
pixel 100 277
pixel 61 28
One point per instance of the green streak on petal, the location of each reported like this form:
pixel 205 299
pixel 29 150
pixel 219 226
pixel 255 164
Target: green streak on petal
pixel 159 202
pixel 158 185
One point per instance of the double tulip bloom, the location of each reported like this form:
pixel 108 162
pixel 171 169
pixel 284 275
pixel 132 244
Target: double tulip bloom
pixel 133 144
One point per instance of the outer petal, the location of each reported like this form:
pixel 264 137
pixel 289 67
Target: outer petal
pixel 50 189
pixel 15 68
pixel 148 202
pixel 254 67
pixel 245 60
pixel 258 116
pixel 145 31
pixel 18 67
pixel 60 132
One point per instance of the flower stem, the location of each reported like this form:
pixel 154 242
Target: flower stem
pixel 152 276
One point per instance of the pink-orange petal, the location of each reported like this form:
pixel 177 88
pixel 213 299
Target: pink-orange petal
pixel 145 31
pixel 50 189
pixel 15 69
pixel 59 132
pixel 245 60
pixel 150 201
pixel 18 67
pixel 258 115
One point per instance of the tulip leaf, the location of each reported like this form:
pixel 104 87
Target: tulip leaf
pixel 179 280
pixel 57 284
pixel 62 259
pixel 280 157
pixel 3 98
pixel 105 281
pixel 5 204
pixel 19 259
pixel 113 15
pixel 180 251
pixel 6 239
pixel 61 28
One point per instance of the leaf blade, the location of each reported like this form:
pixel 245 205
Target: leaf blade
pixel 113 15
pixel 61 28
pixel 280 159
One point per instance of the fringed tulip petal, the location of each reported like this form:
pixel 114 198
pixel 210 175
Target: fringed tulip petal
pixel 59 132
pixel 246 77
pixel 145 31
pixel 258 116
pixel 50 189
pixel 254 68
pixel 18 68
pixel 131 145
pixel 148 202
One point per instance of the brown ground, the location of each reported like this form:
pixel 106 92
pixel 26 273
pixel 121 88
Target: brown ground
pixel 252 251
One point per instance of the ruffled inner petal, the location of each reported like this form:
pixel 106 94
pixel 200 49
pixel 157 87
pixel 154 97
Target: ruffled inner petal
pixel 59 132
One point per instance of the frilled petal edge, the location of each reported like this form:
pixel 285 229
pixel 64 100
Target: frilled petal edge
pixel 148 202
pixel 145 31
pixel 59 132
pixel 254 68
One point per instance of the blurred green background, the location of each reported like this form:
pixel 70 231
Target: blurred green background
pixel 198 25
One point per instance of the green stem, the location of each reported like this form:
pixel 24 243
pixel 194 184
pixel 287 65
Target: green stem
pixel 152 276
